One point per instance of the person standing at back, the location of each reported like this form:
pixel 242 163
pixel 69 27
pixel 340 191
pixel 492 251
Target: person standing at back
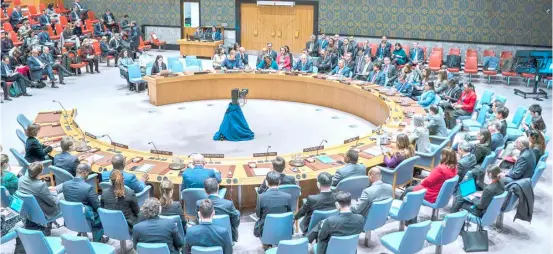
pixel 279 164
pixel 65 160
pixel 323 201
pixel 351 169
pixel 118 162
pixel 270 202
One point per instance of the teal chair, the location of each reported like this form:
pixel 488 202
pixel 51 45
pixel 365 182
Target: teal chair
pixel 429 161
pixel 224 222
pixel 277 227
pixel 81 245
pixel 22 137
pixel 207 250
pixel 486 98
pixel 5 197
pixel 135 76
pixel 509 206
pixel 501 98
pixel 152 248
pixel 518 117
pixel 177 67
pixel 445 232
pixel 401 175
pixel 74 218
pixel 193 62
pixel 488 160
pixel 190 197
pixel 437 140
pixel 491 214
pixel 25 164
pixel 23 121
pixel 446 191
pixel 63 176
pixel 354 185
pixel 341 244
pixel 178 221
pixel 149 67
pixel 538 172
pixel 410 241
pixel 296 246
pixel 171 60
pixel 319 215
pixel 115 226
pixel 294 191
pixel 33 211
pixel 36 243
pixel 471 124
pixel 376 217
pixel 408 208
pixel 193 68
pixel 8 237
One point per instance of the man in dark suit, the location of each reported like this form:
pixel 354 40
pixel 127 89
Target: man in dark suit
pixel 349 62
pixel 416 54
pixel 39 67
pixel 81 9
pixel 155 229
pixel 390 72
pixel 323 42
pixel 339 43
pixel 270 51
pixel 7 43
pixel 271 201
pixel 65 160
pixel 196 176
pixel 44 19
pixel 242 56
pixel 44 37
pixel 99 30
pixel 279 164
pixel 385 41
pixel 326 62
pixel 478 206
pixel 312 46
pixel 118 163
pixel 351 169
pixel 16 17
pixel 47 57
pixel 497 139
pixel 501 114
pixel 466 161
pixel 8 75
pixel 109 20
pixel 377 191
pixel 344 224
pixel 74 15
pixel 78 190
pixel 341 70
pixel 382 52
pixel 221 206
pixel 303 64
pixel 377 76
pixel 348 47
pixel 323 201
pixel 363 68
pixel 524 165
pixel 206 234
pixel 436 122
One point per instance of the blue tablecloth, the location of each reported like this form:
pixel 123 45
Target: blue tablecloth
pixel 234 126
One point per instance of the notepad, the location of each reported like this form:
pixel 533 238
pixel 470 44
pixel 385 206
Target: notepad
pixel 95 157
pixel 261 171
pixel 145 168
pixel 325 159
pixel 374 151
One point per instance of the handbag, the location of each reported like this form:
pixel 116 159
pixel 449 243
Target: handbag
pixel 475 241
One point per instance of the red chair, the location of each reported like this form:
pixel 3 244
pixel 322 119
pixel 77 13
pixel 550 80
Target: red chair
pixel 10 10
pixel 441 50
pixel 92 17
pixel 506 54
pixel 63 10
pixel 471 52
pixel 75 66
pixel 96 46
pixel 3 16
pixel 52 35
pixel 15 40
pixel 528 76
pixel 63 21
pixel 156 41
pixel 489 52
pixel 142 47
pixel 374 48
pixel 41 7
pixel 435 62
pixel 88 27
pixel 33 13
pixel 471 66
pixel 6 26
pixel 455 51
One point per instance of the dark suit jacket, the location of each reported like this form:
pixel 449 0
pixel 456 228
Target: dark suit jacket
pixel 35 151
pixel 383 52
pixel 498 141
pixel 34 65
pixel 157 230
pixel 15 17
pixel 419 52
pixel 208 235
pixel 327 63
pixel 39 190
pixel 315 51
pixel 222 207
pixel 481 151
pixel 99 29
pixel 77 190
pixel 47 58
pixel 127 204
pixel 284 179
pixel 492 190
pixel 322 201
pixel 348 171
pixel 343 224
pixel 66 161
pixel 272 201
pixel 44 20
pixel 156 70
pixel 392 73
pixel 7 45
pixel 73 16
pixel 43 37
pixel 464 165
pixel 379 80
pixel 350 48
pixel 244 58
pixel 3 70
pixel 524 167
pixel 273 54
pixel 105 18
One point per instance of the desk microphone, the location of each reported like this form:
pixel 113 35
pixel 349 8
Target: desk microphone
pixel 318 148
pixel 267 154
pixel 64 111
pixel 110 140
pixel 152 143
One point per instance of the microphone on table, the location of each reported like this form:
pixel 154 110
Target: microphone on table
pixel 110 140
pixel 64 111
pixel 152 143
pixel 318 148
pixel 267 154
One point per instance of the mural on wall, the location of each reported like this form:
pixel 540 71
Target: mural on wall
pixel 217 12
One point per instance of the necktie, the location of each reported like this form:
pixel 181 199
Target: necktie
pixel 8 71
pixel 374 77
pixel 416 54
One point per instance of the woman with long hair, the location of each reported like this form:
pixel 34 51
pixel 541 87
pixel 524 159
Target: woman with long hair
pixel 484 146
pixel 168 206
pixel 218 58
pixel 120 198
pixel 404 151
pixel 398 55
pixel 283 60
pixel 441 84
pixel 537 143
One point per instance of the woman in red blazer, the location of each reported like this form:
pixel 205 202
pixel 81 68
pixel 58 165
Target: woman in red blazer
pixel 463 107
pixel 283 60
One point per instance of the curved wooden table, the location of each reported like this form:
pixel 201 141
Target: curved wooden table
pixel 370 103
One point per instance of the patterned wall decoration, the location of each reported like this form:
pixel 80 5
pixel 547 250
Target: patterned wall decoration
pixel 216 12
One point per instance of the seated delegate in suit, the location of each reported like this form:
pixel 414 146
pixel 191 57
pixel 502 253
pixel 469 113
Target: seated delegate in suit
pixel 483 148
pixel 273 54
pixel 16 16
pixel 428 97
pixel 107 50
pixel 279 164
pixel 34 150
pixel 221 205
pixel 404 151
pixel 312 46
pixel 159 65
pixel 382 52
pixel 323 201
pixel 376 191
pixel 48 58
pixel 284 60
pixel 303 64
pixel 390 72
pixel 347 47
pixel 119 198
pixel 218 58
pixel 450 96
pixel 351 169
pixel 195 177
pixel 88 55
pixel 398 55
pixel 100 31
pixel 327 60
pixel 30 184
pixel 215 34
pixel 377 76
pixel 270 202
pixel 404 81
pixel 154 229
pixel 206 234
pixel 436 122
pixel 341 70
pixel 478 205
pixel 363 68
pixel 241 54
pixel 343 224
pixel 267 63
pixel 419 136
pixel 124 61
pixel 65 160
pixel 8 75
pixel 44 19
pixel 231 62
pixel 416 54
pixel 169 207
pixel 497 138
pixel 39 67
pixel 78 190
pixel 466 161
pixel 524 165
pixel 118 163
pixel 9 179
pixel 109 20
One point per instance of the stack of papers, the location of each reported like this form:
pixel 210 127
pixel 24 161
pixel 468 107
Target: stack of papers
pixel 374 151
pixel 145 168
pixel 261 171
pixel 325 159
pixel 95 157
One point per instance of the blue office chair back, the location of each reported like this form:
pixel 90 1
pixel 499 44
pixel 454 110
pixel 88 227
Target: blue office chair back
pixel 152 248
pixel 193 68
pixel 31 209
pixel 501 98
pixel 150 65
pixel 149 71
pixel 190 196
pixel 177 67
pixel 485 99
pixel 354 185
pixel 114 223
pixel 21 160
pixel 171 60
pixel 403 172
pixel 223 221
pixel 293 246
pixel 61 174
pixel 538 172
pixel 343 244
pixel 22 137
pixel 5 196
pixel 8 237
pixel 319 215
pixel 544 157
pixel 453 132
pixel 33 241
pixel 450 228
pixel 527 121
pixel 134 71
pixel 190 57
pixel 294 191
pixel 277 227
pixel 77 244
pixel 481 118
pixel 494 208
pixel 143 195
pixel 192 62
pixel 488 160
pixel 177 220
pixel 23 121
pixel 512 202
pixel 207 250
pixel 411 205
pixel 74 217
pixel 446 191
pixel 517 117
pixel 414 237
pixel 378 214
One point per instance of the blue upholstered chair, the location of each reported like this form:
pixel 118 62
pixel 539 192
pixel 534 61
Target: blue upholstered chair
pixel 341 244
pixel 408 208
pixel 178 221
pixel 33 211
pixel 376 218
pixel 437 140
pixel 401 175
pixel 115 226
pixel 490 216
pixel 445 232
pixel 135 76
pixel 143 195
pixel 486 98
pixel 277 227
pixel 63 176
pixel 472 125
pixel 207 250
pixel 290 246
pixel 354 185
pixel 36 243
pixel 8 237
pixel 74 217
pixel 21 135
pixel 538 171
pixel 192 62
pixel 152 248
pixel 177 67
pixel 5 196
pixel 25 164
pixel 81 245
pixel 501 98
pixel 23 121
pixel 511 205
pixel 518 117
pixel 223 221
pixel 190 196
pixel 443 197
pixel 294 191
pixel 488 160
pixel 319 215
pixel 410 241
pixel 171 60
pixel 429 161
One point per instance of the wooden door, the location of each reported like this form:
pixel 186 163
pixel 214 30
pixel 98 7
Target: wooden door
pixel 280 25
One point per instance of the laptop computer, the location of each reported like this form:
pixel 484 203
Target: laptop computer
pixel 468 190
pixel 15 207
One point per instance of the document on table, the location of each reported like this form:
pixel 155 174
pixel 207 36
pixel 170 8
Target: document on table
pixel 374 151
pixel 325 159
pixel 145 168
pixel 95 157
pixel 261 171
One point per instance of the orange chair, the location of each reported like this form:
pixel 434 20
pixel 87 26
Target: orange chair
pixel 6 26
pixel 15 40
pixel 374 48
pixel 75 66
pixel 435 62
pixel 455 51
pixel 471 66
pixel 52 35
pixel 63 10
pixel 489 52
pixel 506 54
pixel 3 16
pixel 10 11
pixel 528 76
pixel 63 21
pixel 88 27
pixel 41 7
pixel 96 46
pixel 406 49
pixel 142 47
pixel 33 13
pixel 441 50
pixel 156 41
pixel 92 17
pixel 471 52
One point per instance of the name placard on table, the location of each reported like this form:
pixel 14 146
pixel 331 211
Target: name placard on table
pixel 161 152
pixel 119 145
pixel 265 154
pixel 90 135
pixel 315 148
pixel 349 140
pixel 213 155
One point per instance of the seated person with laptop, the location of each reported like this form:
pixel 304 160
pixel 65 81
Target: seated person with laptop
pixel 10 215
pixel 476 202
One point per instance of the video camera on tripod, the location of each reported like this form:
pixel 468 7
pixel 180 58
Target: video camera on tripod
pixel 239 96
